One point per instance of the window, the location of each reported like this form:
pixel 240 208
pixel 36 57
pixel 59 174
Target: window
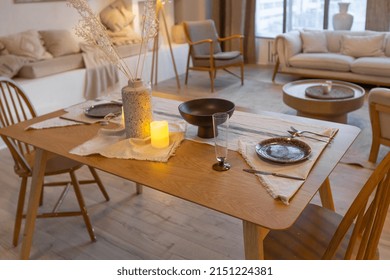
pixel 277 16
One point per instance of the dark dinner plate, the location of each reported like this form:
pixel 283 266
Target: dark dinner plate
pixel 283 150
pixel 102 110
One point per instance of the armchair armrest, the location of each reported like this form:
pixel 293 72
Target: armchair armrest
pixel 287 45
pixel 232 37
pixel 200 42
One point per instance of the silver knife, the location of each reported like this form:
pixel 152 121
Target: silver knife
pixel 253 171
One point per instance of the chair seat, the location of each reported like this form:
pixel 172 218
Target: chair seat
pixel 219 63
pixel 221 55
pixel 316 226
pixel 55 164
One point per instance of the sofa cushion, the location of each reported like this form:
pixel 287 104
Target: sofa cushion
pixel 10 64
pixel 27 43
pixel 363 46
pixel 334 38
pixel 322 61
pixel 387 44
pixel 51 66
pixel 116 16
pixel 314 42
pixel 59 42
pixel 373 66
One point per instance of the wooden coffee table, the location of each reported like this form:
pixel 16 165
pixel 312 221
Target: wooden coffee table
pixel 335 110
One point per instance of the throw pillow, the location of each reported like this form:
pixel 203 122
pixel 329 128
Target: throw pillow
pixel 363 46
pixel 116 16
pixel 27 43
pixel 59 42
pixel 3 50
pixel 10 65
pixel 314 42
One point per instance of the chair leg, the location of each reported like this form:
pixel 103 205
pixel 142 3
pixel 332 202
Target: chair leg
pixel 242 74
pixel 99 183
pixel 374 150
pixel 81 202
pixel 188 66
pixel 275 69
pixel 211 74
pixel 41 198
pixel 19 211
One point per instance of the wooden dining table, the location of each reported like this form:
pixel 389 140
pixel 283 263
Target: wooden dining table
pixel 189 175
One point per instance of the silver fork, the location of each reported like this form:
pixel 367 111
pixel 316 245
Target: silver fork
pixel 307 131
pixel 296 134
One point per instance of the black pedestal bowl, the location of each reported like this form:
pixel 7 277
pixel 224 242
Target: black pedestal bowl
pixel 199 112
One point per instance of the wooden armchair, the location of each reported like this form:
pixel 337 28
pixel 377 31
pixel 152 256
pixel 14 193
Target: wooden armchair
pixel 379 106
pixel 15 107
pixel 206 53
pixel 320 233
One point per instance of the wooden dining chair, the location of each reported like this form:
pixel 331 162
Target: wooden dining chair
pixel 320 233
pixel 206 52
pixel 379 106
pixel 15 107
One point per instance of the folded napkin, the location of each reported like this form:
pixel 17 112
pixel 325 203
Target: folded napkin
pixel 54 122
pixel 113 144
pixel 278 187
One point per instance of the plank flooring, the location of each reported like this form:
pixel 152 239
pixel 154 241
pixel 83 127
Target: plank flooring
pixel 154 225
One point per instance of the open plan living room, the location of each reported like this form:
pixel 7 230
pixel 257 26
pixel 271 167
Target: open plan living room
pixel 113 146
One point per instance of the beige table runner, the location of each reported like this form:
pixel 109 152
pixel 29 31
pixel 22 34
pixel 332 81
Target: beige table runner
pixel 246 130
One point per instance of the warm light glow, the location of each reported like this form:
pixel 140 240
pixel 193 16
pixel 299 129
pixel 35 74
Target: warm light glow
pixel 159 132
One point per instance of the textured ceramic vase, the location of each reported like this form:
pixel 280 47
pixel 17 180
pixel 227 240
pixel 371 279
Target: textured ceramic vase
pixel 137 109
pixel 342 20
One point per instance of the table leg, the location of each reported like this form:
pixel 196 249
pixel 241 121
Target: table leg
pixel 33 203
pixel 326 195
pixel 253 240
pixel 139 188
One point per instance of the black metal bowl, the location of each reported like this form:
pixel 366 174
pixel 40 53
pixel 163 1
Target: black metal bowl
pixel 199 112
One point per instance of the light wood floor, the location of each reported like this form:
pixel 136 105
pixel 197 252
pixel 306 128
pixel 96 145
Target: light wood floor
pixel 148 226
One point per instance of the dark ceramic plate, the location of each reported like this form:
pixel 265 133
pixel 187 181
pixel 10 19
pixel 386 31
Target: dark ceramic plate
pixel 102 110
pixel 283 150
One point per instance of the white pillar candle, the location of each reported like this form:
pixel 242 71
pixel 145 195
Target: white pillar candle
pixel 159 133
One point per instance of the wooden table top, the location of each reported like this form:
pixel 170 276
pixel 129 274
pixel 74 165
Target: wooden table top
pixel 189 175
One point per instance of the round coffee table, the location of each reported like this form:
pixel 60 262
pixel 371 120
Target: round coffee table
pixel 336 110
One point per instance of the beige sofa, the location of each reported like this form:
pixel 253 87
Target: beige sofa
pixel 354 56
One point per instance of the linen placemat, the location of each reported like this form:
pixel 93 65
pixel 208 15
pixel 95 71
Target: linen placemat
pixel 113 144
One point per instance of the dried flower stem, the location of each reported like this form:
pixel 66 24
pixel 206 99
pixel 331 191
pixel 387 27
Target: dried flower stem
pixel 149 31
pixel 94 33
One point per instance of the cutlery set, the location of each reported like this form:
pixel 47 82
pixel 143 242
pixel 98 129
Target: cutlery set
pixel 299 133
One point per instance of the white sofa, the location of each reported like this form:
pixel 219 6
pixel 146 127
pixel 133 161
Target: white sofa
pixel 355 56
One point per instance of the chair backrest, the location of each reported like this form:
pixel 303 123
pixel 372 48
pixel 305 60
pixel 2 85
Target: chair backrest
pixel 379 102
pixel 365 217
pixel 15 107
pixel 200 30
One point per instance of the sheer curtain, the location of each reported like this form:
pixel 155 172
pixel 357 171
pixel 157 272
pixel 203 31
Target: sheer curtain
pixel 236 17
